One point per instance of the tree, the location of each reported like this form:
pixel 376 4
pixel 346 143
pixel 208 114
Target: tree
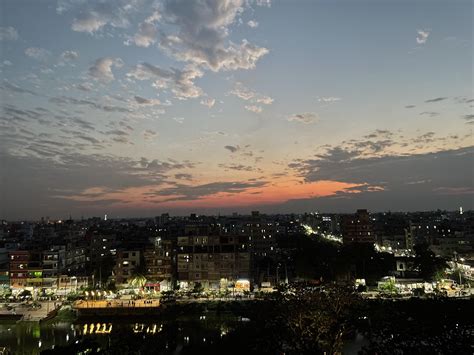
pixel 198 287
pixel 316 319
pixel 427 263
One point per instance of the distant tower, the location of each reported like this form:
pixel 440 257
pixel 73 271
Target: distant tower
pixel 105 217
pixel 460 210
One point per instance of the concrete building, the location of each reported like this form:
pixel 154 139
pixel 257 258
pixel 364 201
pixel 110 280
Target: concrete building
pixel 126 263
pixel 212 260
pixel 159 261
pixel 357 228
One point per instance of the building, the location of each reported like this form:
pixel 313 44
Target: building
pixel 357 228
pixel 127 262
pixel 159 261
pixel 212 260
pixel 25 269
pixel 53 261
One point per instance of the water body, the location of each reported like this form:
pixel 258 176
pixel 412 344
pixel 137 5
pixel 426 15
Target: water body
pixel 171 336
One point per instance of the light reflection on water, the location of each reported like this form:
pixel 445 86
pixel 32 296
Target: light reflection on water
pixel 32 337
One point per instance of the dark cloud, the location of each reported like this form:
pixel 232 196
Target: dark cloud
pixel 183 176
pixel 437 99
pixel 16 89
pixel 238 167
pixel 232 148
pixel 183 192
pixel 64 100
pixel 429 113
pixel 410 106
pixel 49 178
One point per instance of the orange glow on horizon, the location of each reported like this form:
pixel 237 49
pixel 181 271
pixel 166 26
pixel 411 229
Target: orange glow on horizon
pixel 278 191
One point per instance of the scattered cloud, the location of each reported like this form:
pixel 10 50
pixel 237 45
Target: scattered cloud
pixel 469 118
pixel 37 53
pixel 429 113
pixel 201 36
pixel 306 118
pixel 65 100
pixel 8 34
pixel 183 192
pixel 254 108
pixel 146 35
pixel 422 36
pixel 209 102
pixel 149 102
pixel 180 82
pixel 16 89
pixel 92 16
pixel 180 120
pixel 232 148
pixel 330 99
pixel 183 176
pixel 149 134
pixel 252 24
pixel 437 99
pixel 102 68
pixel 244 93
pixel 69 55
pixel 410 106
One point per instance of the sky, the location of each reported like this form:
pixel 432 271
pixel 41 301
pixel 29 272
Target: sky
pixel 136 108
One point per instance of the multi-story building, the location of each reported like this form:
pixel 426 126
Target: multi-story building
pixel 357 228
pixel 25 269
pixel 126 263
pixel 101 246
pixel 212 260
pixel 159 261
pixel 53 261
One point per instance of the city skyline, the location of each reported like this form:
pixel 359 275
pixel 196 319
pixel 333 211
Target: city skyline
pixel 135 108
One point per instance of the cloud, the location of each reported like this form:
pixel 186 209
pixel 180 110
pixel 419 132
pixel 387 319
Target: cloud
pixel 232 148
pixel 208 102
pixel 69 55
pixel 202 31
pixel 180 82
pixel 253 108
pixel 183 192
pixel 146 35
pixel 8 34
pixel 252 24
pixel 149 102
pixel 68 181
pixel 87 86
pixel 410 106
pixel 147 32
pixel 149 134
pixel 92 16
pixel 330 99
pixel 244 93
pixel 469 118
pixel 65 100
pixel 306 118
pixel 102 68
pixel 237 167
pixel 422 36
pixel 183 176
pixel 14 88
pixel 391 173
pixel 180 120
pixel 37 53
pixel 437 99
pixel 429 113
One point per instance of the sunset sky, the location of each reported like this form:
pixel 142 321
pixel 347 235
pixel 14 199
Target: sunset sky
pixel 135 108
